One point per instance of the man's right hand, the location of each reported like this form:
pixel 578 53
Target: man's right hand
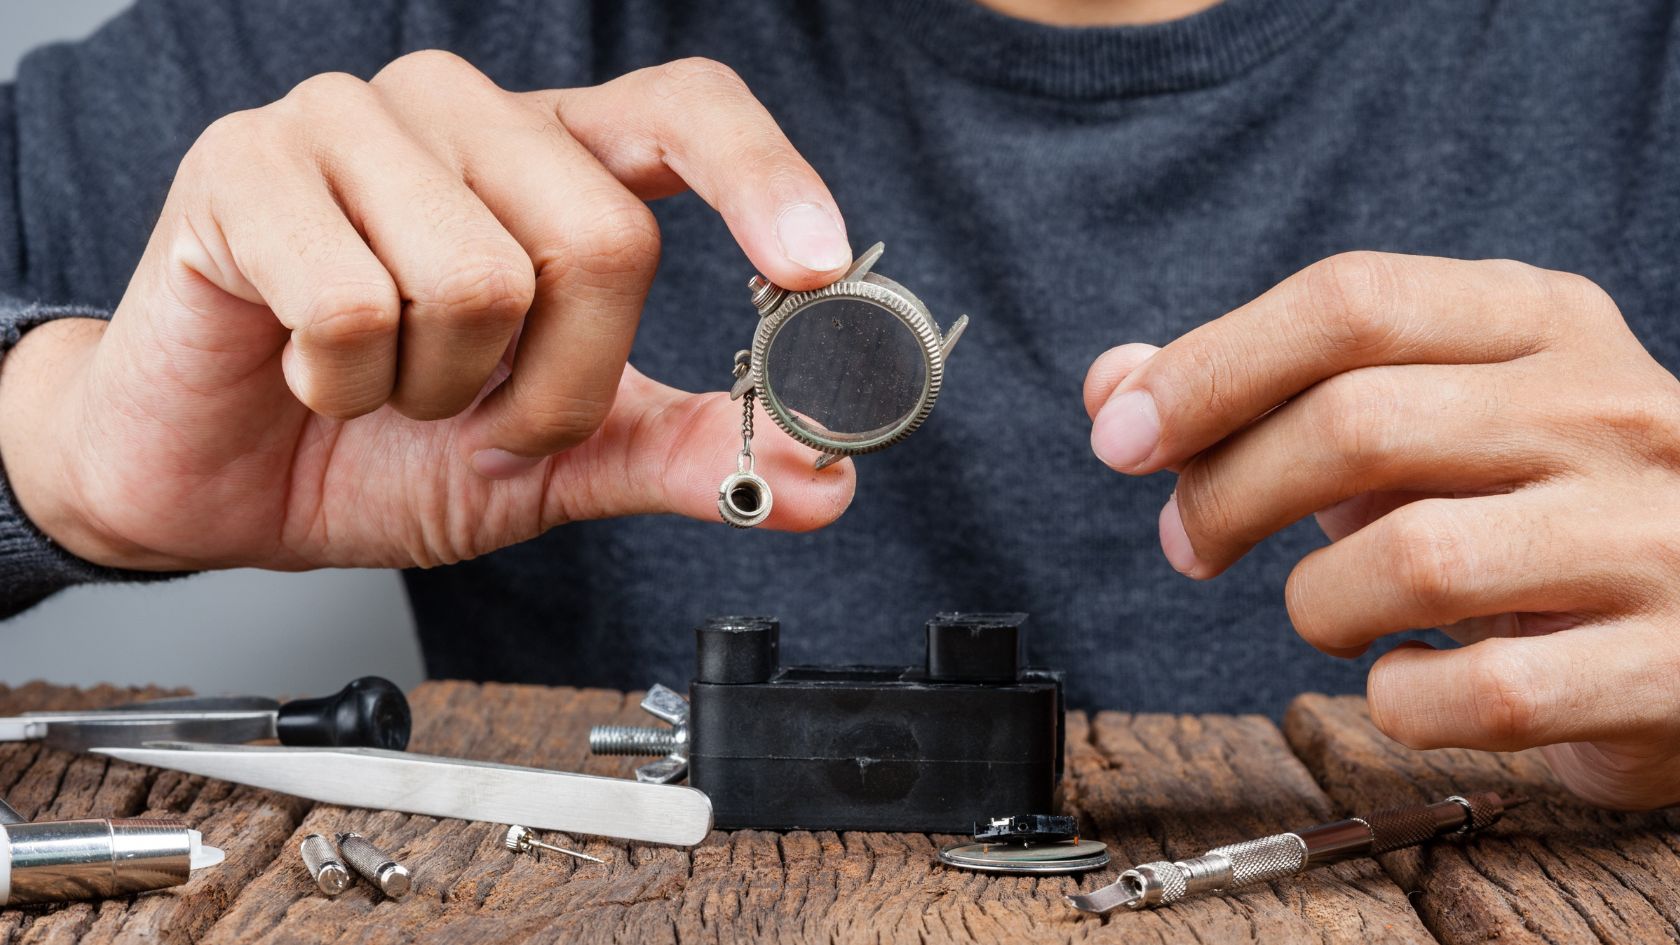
pixel 386 324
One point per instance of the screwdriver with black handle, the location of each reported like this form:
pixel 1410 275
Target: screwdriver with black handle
pixel 1286 854
pixel 370 712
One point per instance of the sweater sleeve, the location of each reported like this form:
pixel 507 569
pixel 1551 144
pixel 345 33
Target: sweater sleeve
pixel 90 135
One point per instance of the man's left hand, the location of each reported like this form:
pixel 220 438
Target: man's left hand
pixel 1490 450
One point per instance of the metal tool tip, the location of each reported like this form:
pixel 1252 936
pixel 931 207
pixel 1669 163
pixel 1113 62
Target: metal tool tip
pixel 1095 906
pixel 1512 803
pixel 333 879
pixel 394 881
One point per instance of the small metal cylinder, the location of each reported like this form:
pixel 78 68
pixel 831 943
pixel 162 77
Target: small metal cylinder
pixel 374 865
pixel 90 859
pixel 631 740
pixel 323 864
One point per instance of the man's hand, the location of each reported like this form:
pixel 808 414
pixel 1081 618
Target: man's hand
pixel 1490 450
pixel 386 323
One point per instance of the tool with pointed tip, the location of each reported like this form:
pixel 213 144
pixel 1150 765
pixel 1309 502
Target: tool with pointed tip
pixel 448 787
pixel 370 712
pixel 521 839
pixel 96 858
pixel 1285 854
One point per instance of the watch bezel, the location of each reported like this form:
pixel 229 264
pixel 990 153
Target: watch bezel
pixel 895 299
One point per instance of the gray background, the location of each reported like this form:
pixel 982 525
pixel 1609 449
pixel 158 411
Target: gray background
pixel 234 631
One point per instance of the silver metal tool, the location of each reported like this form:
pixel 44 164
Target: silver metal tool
pixel 320 857
pixel 1285 854
pixel 370 711
pixel 54 861
pixel 520 839
pixel 850 368
pixel 374 865
pixel 664 703
pixel 448 787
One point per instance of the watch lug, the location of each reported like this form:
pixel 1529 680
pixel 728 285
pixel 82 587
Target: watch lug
pixel 952 336
pixel 864 263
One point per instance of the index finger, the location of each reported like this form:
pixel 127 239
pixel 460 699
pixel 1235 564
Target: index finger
pixel 694 124
pixel 1350 311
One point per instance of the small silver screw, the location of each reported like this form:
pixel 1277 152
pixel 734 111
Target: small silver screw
pixel 522 840
pixel 375 866
pixel 663 703
pixel 323 864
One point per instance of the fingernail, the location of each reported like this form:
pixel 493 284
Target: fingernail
pixel 1175 541
pixel 811 237
pixel 501 464
pixel 1126 430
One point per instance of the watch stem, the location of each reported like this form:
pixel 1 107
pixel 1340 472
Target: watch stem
pixel 766 295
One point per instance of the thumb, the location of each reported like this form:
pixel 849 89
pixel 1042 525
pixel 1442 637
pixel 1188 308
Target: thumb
pixel 662 450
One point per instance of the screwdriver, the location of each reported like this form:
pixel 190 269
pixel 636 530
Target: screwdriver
pixel 369 712
pixel 1286 854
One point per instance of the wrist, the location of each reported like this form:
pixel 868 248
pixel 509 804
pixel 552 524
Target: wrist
pixel 39 378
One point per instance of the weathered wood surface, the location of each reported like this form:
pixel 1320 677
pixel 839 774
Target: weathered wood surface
pixel 1146 784
pixel 1554 871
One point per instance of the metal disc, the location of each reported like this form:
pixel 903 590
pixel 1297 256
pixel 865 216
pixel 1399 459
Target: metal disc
pixel 1035 858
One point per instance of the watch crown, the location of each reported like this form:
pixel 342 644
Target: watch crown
pixel 766 295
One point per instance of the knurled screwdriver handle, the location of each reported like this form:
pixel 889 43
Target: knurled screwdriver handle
pixel 1259 861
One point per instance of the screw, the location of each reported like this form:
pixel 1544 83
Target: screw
pixel 323 864
pixel 522 840
pixel 666 704
pixel 632 740
pixel 375 866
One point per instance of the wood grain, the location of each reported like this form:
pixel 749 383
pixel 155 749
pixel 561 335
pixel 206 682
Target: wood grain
pixel 1147 784
pixel 1553 871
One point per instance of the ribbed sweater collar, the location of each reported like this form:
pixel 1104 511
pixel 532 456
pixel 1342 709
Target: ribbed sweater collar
pixel 1204 49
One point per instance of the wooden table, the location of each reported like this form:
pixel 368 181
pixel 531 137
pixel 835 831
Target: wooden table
pixel 1552 872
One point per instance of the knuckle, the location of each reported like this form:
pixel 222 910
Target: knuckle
pixel 324 92
pixel 1575 295
pixel 228 142
pixel 425 68
pixel 697 75
pixel 1205 507
pixel 1350 299
pixel 1391 712
pixel 1503 692
pixel 620 240
pixel 493 288
pixel 347 314
pixel 1355 413
pixel 1300 602
pixel 554 423
pixel 1428 556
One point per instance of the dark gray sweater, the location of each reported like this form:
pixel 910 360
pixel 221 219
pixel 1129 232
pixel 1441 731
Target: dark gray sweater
pixel 1071 190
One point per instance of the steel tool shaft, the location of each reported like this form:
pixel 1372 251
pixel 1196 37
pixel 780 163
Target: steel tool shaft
pixel 448 787
pixel 1285 854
